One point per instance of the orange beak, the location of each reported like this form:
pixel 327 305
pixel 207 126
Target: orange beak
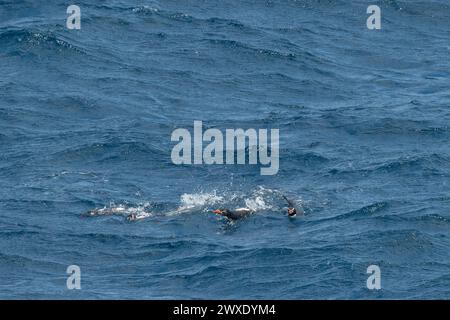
pixel 217 211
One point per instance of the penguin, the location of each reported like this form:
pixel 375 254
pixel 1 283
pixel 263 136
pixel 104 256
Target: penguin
pixel 234 214
pixel 292 209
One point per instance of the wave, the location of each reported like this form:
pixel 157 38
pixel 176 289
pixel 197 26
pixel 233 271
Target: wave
pixel 366 210
pixel 18 262
pixel 234 44
pixel 155 9
pixel 103 151
pixel 395 126
pixel 361 213
pixel 20 40
pixel 147 9
pixel 429 164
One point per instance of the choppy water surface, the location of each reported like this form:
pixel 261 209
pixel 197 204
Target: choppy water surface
pixel 86 118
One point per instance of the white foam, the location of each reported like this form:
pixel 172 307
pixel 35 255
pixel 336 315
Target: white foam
pixel 199 199
pixel 257 203
pixel 147 8
pixel 193 201
pixel 140 210
pixel 260 199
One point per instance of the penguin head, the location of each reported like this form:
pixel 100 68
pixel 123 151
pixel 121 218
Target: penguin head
pixel 292 212
pixel 222 212
pixel 131 217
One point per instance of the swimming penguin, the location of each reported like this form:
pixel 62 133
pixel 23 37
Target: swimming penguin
pixel 292 209
pixel 132 217
pixel 234 214
pixel 137 216
pixel 105 212
pixel 129 213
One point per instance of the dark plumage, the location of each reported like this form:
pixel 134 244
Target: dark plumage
pixel 293 210
pixel 234 214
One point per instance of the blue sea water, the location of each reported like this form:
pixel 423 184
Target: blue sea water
pixel 86 118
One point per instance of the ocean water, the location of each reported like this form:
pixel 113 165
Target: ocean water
pixel 86 118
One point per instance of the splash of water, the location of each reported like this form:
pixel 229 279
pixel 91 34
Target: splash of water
pixel 140 211
pixel 257 203
pixel 260 199
pixel 195 201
